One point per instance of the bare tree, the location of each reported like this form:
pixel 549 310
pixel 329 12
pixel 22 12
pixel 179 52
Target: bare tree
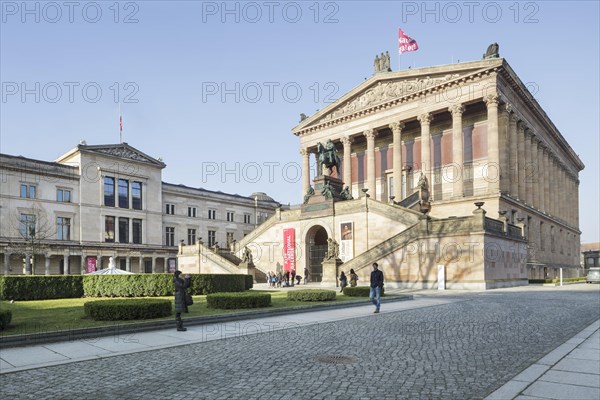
pixel 29 234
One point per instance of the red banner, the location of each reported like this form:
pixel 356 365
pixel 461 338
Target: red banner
pixel 90 264
pixel 289 249
pixel 406 43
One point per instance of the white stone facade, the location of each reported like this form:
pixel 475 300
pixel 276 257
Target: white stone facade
pixel 80 221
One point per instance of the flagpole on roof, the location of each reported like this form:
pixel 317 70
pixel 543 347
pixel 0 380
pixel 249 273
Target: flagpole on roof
pixel 120 124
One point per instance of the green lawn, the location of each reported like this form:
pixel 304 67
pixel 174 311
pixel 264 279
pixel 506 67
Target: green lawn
pixel 53 315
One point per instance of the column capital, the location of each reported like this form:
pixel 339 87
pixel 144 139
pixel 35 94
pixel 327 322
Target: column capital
pixel 347 140
pixel 305 151
pixel 492 99
pixel 397 126
pixel 507 108
pixel 529 133
pixel 456 110
pixel 425 119
pixel 370 134
pixel 522 125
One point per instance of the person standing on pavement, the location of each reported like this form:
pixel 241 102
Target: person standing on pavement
pixel 343 282
pixel 353 278
pixel 376 286
pixel 180 298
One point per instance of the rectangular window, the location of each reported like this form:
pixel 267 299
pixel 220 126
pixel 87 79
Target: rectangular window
pixel 170 209
pixel 169 236
pixel 192 212
pixel 109 229
pixel 109 191
pixel 246 218
pixel 212 214
pixel 63 228
pixel 542 247
pixel 123 230
pixel 136 225
pixel 28 191
pixel 191 236
pixel 212 238
pixel 123 193
pixel 27 226
pixel 230 216
pixel 63 195
pixel 136 195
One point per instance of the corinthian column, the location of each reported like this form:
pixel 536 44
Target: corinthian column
pixel 547 200
pixel 528 168
pixel 504 147
pixel 305 170
pixel 521 160
pixel 397 158
pixel 540 187
pixel 370 134
pixel 493 167
pixel 457 149
pixel 426 168
pixel 347 142
pixel 535 175
pixel 513 168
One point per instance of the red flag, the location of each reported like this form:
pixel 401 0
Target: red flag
pixel 406 43
pixel 121 123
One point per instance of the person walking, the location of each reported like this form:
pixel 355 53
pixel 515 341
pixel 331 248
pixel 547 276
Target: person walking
pixel 376 286
pixel 343 282
pixel 305 275
pixel 180 298
pixel 353 278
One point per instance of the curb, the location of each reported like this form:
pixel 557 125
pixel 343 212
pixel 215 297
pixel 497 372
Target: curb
pixel 110 330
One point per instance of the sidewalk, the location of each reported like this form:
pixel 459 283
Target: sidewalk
pixel 571 371
pixel 42 355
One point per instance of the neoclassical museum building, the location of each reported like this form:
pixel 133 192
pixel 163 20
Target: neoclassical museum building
pixel 453 173
pixel 71 215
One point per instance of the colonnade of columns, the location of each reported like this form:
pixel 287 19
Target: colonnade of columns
pixel 519 162
pixel 66 260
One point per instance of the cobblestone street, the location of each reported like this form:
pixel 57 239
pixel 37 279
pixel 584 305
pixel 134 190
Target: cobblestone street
pixel 461 350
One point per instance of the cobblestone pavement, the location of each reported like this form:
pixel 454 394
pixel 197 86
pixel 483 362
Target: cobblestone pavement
pixel 461 350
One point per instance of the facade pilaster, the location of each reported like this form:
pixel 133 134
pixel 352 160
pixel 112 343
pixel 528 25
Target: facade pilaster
pixel 397 158
pixel 493 164
pixel 547 200
pixel 426 168
pixel 141 264
pixel 457 150
pixel 370 135
pixel 347 142
pixel 128 264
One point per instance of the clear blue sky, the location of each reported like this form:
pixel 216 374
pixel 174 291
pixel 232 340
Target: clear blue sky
pixel 171 57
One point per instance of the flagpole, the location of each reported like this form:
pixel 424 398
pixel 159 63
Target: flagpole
pixel 120 125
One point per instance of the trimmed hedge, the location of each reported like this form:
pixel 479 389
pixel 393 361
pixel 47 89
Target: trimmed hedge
pixel 41 287
pixel 5 318
pixel 127 309
pixel 238 300
pixel 149 285
pixel 311 295
pixel 249 282
pixel 360 291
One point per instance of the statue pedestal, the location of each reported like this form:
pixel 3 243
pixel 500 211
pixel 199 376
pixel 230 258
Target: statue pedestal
pixel 320 204
pixel 330 271
pixel 248 269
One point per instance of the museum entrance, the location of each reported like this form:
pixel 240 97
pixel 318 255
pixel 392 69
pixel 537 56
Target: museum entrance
pixel 316 240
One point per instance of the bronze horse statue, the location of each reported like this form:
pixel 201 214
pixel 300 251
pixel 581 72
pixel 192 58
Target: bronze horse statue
pixel 328 157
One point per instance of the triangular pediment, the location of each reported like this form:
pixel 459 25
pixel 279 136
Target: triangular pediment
pixel 387 87
pixel 123 151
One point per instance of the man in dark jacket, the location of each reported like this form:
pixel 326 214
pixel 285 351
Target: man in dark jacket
pixel 180 298
pixel 376 286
